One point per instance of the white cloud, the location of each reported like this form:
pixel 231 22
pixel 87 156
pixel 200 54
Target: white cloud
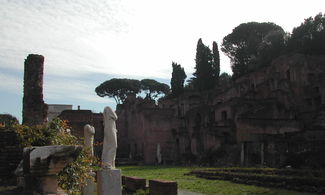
pixel 139 38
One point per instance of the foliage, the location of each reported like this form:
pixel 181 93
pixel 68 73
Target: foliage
pixel 8 119
pixel 195 184
pixel 224 80
pixel 203 76
pixel 177 80
pixel 142 192
pixel 38 135
pixel 309 37
pixel 76 174
pixel 247 40
pixel 118 88
pixel 55 133
pixel 272 46
pixel 216 61
pixel 154 88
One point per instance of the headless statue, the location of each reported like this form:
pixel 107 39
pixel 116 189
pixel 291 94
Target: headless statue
pixel 110 140
pixel 89 132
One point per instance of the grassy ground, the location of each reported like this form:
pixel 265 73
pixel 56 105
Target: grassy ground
pixel 194 184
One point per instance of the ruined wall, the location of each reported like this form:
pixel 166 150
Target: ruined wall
pixel 11 155
pixel 142 128
pixel 245 118
pixel 34 108
pixel 77 119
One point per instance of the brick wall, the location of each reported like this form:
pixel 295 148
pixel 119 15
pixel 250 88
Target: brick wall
pixel 11 155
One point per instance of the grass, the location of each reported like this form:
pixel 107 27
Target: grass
pixel 204 186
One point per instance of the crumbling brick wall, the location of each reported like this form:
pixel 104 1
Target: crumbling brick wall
pixel 34 108
pixel 11 155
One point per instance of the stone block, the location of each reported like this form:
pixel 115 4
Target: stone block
pixel 134 183
pixel 162 187
pixel 42 164
pixel 109 182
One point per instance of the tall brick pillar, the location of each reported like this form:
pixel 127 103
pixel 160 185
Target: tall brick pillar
pixel 34 108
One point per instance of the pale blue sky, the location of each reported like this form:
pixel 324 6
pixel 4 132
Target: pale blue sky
pixel 87 42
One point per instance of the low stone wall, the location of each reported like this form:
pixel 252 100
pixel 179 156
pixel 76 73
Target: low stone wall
pixel 11 155
pixel 134 183
pixel 156 187
pixel 162 187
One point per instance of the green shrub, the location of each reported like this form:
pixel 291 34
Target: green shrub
pixel 142 192
pixel 73 176
pixel 7 119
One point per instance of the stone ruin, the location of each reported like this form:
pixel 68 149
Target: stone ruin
pixel 266 117
pixel 34 108
pixel 38 166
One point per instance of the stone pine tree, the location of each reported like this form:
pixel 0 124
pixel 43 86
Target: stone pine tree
pixel 203 75
pixel 216 61
pixel 177 80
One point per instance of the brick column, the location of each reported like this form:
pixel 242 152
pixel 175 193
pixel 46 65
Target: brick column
pixel 34 108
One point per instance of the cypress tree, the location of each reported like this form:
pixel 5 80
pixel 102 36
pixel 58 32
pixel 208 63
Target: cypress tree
pixel 177 80
pixel 216 61
pixel 203 76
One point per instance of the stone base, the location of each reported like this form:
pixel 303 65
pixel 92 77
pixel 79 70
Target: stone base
pixel 89 188
pixel 46 184
pixel 109 182
pixel 162 187
pixel 134 183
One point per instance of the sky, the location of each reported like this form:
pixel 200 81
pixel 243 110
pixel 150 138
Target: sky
pixel 88 42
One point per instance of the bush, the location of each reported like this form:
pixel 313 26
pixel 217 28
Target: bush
pixel 7 119
pixel 73 176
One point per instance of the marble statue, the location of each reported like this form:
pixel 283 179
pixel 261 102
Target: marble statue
pixel 159 157
pixel 110 140
pixel 89 132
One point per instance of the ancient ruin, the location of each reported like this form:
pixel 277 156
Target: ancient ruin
pixel 266 117
pixel 41 166
pixel 34 108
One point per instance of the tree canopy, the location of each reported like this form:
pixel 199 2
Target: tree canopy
pixel 245 42
pixel 203 76
pixel 309 37
pixel 118 88
pixel 225 80
pixel 153 88
pixel 216 61
pixel 177 80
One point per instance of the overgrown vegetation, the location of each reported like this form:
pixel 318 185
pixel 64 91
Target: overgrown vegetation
pixel 201 185
pixel 71 178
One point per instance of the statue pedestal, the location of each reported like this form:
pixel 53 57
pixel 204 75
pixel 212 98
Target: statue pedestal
pixel 89 188
pixel 109 182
